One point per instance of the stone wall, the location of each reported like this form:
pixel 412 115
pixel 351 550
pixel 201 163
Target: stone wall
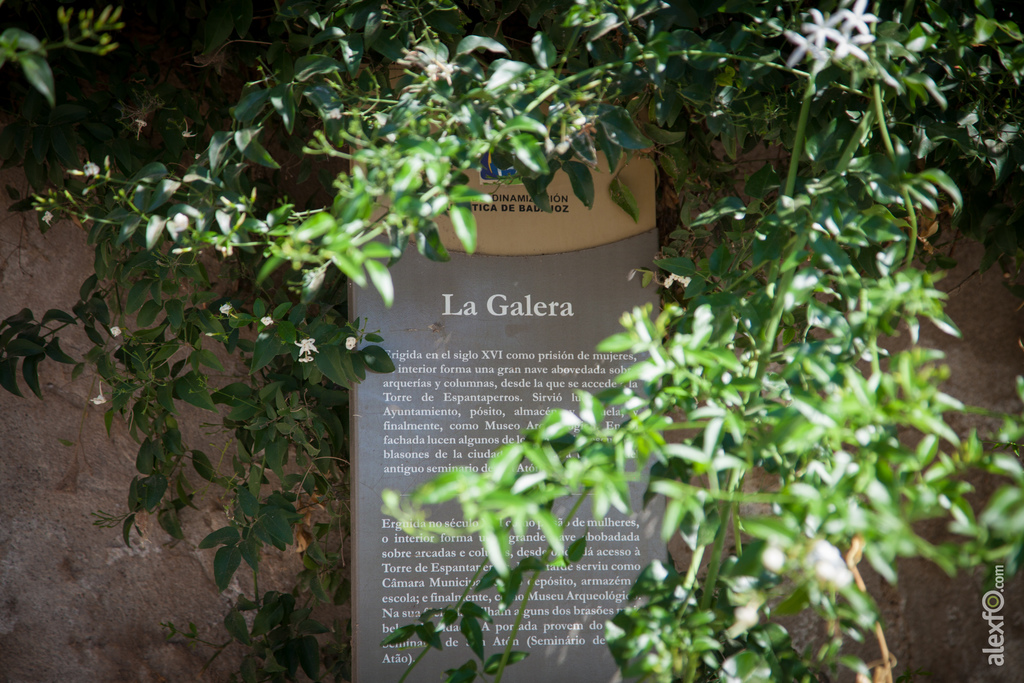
pixel 76 604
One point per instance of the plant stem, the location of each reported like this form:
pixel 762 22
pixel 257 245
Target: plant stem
pixel 529 591
pixel 796 246
pixel 735 507
pixel 883 129
pixel 691 573
pixel 801 133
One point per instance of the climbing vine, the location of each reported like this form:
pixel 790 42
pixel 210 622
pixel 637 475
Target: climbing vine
pixel 235 164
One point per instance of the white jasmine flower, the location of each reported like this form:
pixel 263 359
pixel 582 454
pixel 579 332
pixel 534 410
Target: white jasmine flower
pixel 226 309
pixel 350 343
pixel 437 70
pixel 115 331
pixel 803 46
pixel 856 20
pixel 47 217
pixel 90 169
pixel 673 278
pixel 187 133
pixel 306 350
pixel 828 564
pixel 773 559
pixel 177 225
pixel 822 28
pixel 99 399
pixel 846 47
pixel 267 320
pixel 746 616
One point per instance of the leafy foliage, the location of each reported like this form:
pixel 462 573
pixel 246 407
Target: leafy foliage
pixel 306 144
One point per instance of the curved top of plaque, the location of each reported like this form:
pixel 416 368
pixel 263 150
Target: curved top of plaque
pixel 512 225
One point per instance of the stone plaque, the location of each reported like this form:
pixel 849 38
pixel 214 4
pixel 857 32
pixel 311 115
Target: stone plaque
pixel 485 346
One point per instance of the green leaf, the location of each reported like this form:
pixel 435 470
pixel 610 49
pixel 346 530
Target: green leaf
pixel 941 180
pixel 154 229
pixel 39 74
pixel 227 535
pixel 202 465
pixel 169 522
pixel 576 549
pixel 61 138
pixel 246 500
pixel 54 352
pixel 494 661
pixel 400 635
pixel 762 182
pixel 218 149
pixel 538 189
pixel 225 562
pixel 582 182
pixel 24 347
pixel 529 152
pixel 30 371
pixel 137 295
pixel 219 24
pixel 128 229
pixel 150 171
pixel 377 359
pixel 619 127
pixel 266 349
pixel 526 123
pixel 192 389
pixel 284 104
pixel 311 65
pixel 794 604
pixel 543 50
pixel 309 656
pixel 746 667
pixel 465 229
pixel 241 15
pixel 662 136
pixel 731 207
pixel 207 358
pixel 624 199
pixel 470 628
pixel 471 43
pixel 234 623
pixel 381 276
pixel 247 141
pixel 276 524
pixel 151 489
pixel 164 190
pixel 59 316
pixel 250 105
pixel 148 454
pixel 504 72
pixel 330 362
pixel 126 529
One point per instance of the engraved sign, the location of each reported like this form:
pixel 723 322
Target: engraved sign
pixel 484 347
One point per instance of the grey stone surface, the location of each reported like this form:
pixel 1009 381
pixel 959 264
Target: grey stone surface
pixel 76 604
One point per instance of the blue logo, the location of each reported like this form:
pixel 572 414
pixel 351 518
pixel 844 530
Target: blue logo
pixel 489 170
